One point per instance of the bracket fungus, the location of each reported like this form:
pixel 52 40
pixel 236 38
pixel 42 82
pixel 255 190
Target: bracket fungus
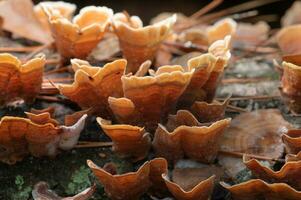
pixel 184 135
pixel 132 185
pixel 140 43
pixel 20 81
pixel 291 86
pixel 289 173
pixel 147 100
pixel 93 85
pixel 201 191
pixel 37 136
pixel 258 189
pixel 208 69
pixel 65 9
pixel 128 141
pixel 292 141
pixel 77 38
pixel 209 112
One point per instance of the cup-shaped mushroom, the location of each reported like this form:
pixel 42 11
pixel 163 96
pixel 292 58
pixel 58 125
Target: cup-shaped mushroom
pixel 65 9
pixel 289 173
pixel 140 43
pixel 128 141
pixel 197 142
pixel 128 186
pixel 291 86
pixel 77 38
pixel 258 189
pixel 93 85
pixel 292 141
pixel 20 81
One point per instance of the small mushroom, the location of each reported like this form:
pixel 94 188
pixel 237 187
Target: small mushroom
pixel 292 141
pixel 93 85
pixel 140 43
pixel 78 38
pixel 20 81
pixel 258 189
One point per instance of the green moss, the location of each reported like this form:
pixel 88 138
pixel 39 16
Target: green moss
pixel 79 180
pixel 22 191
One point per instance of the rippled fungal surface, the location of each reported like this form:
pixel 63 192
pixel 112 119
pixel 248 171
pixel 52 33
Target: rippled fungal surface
pixel 289 173
pixel 148 100
pixel 129 186
pixel 292 141
pixel 201 191
pixel 258 189
pixel 77 38
pixel 195 141
pixel 93 85
pixel 128 141
pixel 140 43
pixel 65 9
pixel 209 112
pixel 291 86
pixel 38 135
pixel 20 81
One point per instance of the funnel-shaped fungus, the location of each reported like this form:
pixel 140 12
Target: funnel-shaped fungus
pixel 78 38
pixel 140 43
pixel 258 189
pixel 291 86
pixel 149 99
pixel 209 112
pixel 181 137
pixel 20 81
pixel 65 9
pixel 208 69
pixel 292 141
pixel 93 85
pixel 289 173
pixel 128 141
pixel 21 136
pixel 128 186
pixel 202 191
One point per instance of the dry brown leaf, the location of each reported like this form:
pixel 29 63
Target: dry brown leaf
pixel 258 132
pixel 19 18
